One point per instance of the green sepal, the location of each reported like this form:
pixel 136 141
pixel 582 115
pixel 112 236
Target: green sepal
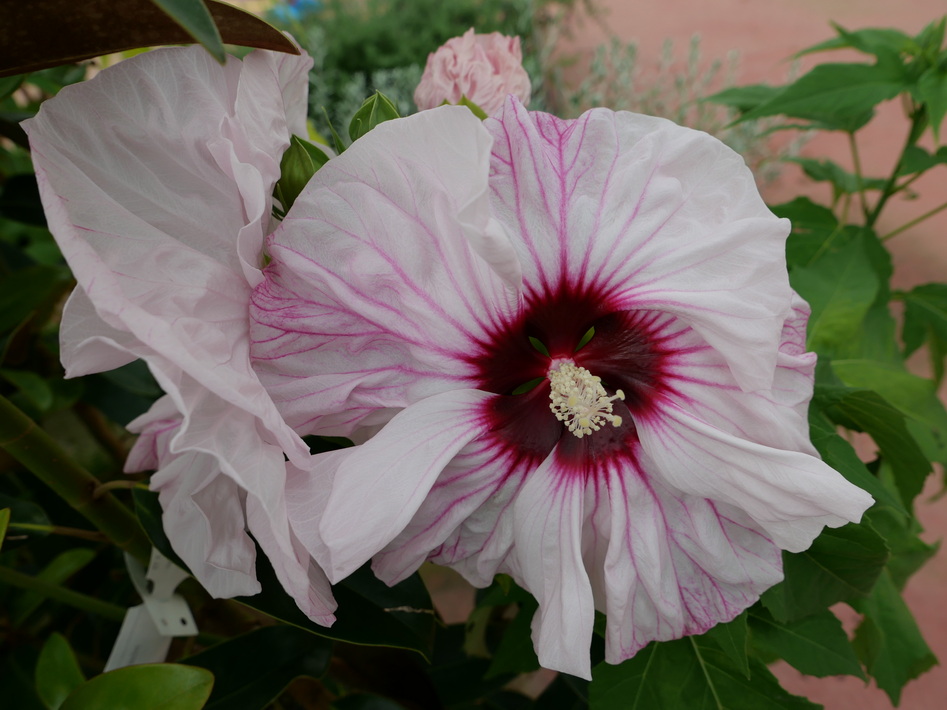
pixel 299 163
pixel 376 109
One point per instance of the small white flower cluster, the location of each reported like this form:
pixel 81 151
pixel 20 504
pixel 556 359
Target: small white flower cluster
pixel 578 399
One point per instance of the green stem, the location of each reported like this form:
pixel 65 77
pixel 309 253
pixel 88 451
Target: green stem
pixel 112 612
pixel 856 159
pixel 42 456
pixel 916 220
pixel 92 535
pixel 918 123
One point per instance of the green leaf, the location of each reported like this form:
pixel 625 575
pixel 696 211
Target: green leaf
pixel 4 522
pixel 732 639
pixel 31 385
pixel 932 92
pixel 888 640
pixel 688 673
pixel 196 20
pixel 840 288
pixel 841 456
pixel 816 645
pixel 842 564
pixel 867 411
pixel 876 41
pixel 157 686
pixel 918 160
pixel 745 98
pixel 299 163
pixel 28 291
pixel 60 568
pixel 900 531
pixel 915 397
pixel 836 96
pixel 252 670
pixel 92 28
pixel 376 109
pixel 516 654
pixel 925 316
pixel 843 182
pixel 57 672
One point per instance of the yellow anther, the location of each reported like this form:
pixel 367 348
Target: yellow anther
pixel 578 399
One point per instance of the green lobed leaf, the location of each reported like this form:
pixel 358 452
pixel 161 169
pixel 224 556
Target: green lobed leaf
pixel 732 638
pixel 252 670
pixel 888 640
pixel 900 531
pixel 156 686
pixel 688 673
pixel 197 21
pixel 815 645
pixel 840 288
pixel 842 564
pixel 376 109
pixel 745 98
pixel 836 96
pixel 925 316
pixel 841 456
pixel 867 411
pixel 870 40
pixel 918 160
pixel 932 92
pixel 57 672
pixel 915 397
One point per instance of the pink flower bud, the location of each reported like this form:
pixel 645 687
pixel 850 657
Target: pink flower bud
pixel 484 68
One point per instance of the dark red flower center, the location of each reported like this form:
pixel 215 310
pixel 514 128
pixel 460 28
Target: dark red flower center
pixel 628 351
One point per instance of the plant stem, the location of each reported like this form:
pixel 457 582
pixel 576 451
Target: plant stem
pixel 112 612
pixel 856 159
pixel 92 535
pixel 918 123
pixel 41 455
pixel 914 221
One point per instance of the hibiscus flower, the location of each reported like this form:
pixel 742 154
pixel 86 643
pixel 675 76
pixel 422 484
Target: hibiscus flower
pixel 570 353
pixel 156 177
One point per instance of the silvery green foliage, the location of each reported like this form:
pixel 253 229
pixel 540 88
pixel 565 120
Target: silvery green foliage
pixel 675 88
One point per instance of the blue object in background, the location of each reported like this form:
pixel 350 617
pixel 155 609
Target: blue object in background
pixel 294 10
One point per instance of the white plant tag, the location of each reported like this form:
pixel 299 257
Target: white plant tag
pixel 138 641
pixel 148 628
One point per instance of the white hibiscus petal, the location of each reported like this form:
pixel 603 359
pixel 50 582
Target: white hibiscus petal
pixel 789 494
pixel 549 513
pixel 147 179
pixel 675 565
pixel 653 216
pixel 385 273
pixel 386 479
pixel 204 521
pixel 459 523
